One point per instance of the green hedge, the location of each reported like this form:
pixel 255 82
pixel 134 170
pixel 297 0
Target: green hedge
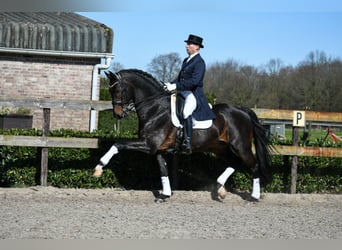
pixel 20 166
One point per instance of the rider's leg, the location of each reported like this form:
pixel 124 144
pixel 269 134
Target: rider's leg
pixel 189 107
pixel 187 135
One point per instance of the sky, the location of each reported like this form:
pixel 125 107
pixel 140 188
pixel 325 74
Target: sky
pixel 249 33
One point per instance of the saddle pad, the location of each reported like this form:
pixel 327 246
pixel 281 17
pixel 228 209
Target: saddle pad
pixel 195 124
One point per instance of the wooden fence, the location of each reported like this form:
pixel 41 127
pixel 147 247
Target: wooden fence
pixel 61 142
pixel 45 141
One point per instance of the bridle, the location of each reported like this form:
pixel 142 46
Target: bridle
pixel 127 106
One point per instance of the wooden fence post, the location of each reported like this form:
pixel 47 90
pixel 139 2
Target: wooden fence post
pixel 294 166
pixel 45 151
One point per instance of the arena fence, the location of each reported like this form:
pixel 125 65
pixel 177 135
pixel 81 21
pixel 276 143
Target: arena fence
pixel 298 118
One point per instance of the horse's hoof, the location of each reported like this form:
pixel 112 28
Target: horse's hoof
pixel 253 199
pixel 97 172
pixel 161 198
pixel 256 197
pixel 222 192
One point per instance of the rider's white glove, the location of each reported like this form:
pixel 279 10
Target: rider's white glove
pixel 170 86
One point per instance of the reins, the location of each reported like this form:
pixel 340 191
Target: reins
pixel 150 98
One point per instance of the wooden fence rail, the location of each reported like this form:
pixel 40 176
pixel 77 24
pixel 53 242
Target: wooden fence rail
pixel 49 103
pixel 47 141
pixel 74 142
pixel 283 114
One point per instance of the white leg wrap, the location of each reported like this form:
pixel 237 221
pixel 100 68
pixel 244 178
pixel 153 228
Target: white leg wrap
pixel 166 185
pixel 106 158
pixel 256 188
pixel 225 175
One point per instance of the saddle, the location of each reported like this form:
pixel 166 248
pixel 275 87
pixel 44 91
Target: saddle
pixel 177 107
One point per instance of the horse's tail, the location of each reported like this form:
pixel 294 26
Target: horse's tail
pixel 262 148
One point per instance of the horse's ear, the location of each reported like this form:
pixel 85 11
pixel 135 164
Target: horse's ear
pixel 108 74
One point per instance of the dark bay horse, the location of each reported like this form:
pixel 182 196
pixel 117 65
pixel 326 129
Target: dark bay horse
pixel 230 136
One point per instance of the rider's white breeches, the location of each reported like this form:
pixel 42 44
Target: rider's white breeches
pixel 190 104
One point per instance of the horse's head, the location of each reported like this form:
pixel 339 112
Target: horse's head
pixel 121 98
pixel 132 89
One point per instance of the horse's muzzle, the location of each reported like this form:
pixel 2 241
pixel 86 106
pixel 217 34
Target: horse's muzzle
pixel 118 112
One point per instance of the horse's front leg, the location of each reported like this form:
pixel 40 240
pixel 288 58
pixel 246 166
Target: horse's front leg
pixel 104 161
pixel 127 145
pixel 164 173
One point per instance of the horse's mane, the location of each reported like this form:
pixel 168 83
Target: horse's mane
pixel 147 76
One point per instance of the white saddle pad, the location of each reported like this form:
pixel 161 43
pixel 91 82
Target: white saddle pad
pixel 195 124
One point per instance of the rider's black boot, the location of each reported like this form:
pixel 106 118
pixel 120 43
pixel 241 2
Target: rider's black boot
pixel 187 135
pixel 179 137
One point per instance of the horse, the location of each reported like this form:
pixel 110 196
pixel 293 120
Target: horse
pixel 230 137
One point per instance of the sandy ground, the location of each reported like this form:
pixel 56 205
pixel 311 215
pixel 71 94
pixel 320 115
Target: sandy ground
pixel 53 213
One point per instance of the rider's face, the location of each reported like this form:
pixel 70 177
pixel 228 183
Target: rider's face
pixel 192 48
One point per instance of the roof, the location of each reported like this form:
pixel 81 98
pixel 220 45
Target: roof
pixel 62 31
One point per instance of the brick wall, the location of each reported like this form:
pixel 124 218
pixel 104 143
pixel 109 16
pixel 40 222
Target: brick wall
pixel 49 77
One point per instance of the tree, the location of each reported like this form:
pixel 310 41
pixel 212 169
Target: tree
pixel 274 85
pixel 317 83
pixel 220 78
pixel 232 83
pixel 274 66
pixel 165 67
pixel 116 66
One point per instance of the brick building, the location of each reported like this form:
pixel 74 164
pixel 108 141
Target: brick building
pixel 57 56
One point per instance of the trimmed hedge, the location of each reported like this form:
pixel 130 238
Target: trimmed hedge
pixel 20 167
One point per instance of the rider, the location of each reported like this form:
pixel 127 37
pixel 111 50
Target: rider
pixel 190 84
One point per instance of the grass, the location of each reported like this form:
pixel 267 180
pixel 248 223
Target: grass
pixel 314 134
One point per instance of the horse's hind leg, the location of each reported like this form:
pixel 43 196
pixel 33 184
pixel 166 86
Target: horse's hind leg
pixel 221 180
pixel 241 156
pixel 226 156
pixel 256 188
pixel 250 161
